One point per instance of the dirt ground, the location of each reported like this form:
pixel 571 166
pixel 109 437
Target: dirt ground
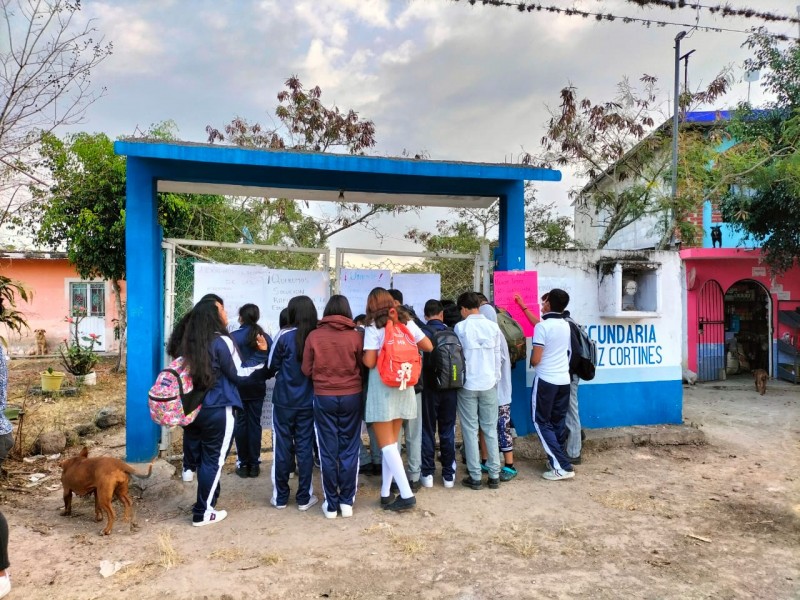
pixel 714 521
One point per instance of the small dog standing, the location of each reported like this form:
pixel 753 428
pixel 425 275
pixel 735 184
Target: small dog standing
pixel 41 341
pixel 761 376
pixel 106 477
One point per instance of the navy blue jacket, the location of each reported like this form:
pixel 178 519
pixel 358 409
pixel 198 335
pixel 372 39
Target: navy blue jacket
pixel 225 390
pixel 251 357
pixel 292 388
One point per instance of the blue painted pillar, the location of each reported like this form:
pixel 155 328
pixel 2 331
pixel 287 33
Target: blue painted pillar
pixel 143 264
pixel 510 256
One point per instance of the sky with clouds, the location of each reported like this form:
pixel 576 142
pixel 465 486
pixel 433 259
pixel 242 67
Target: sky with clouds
pixel 460 82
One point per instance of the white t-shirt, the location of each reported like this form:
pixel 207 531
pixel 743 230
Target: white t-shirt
pixel 554 335
pixel 373 337
pixel 504 385
pixel 488 311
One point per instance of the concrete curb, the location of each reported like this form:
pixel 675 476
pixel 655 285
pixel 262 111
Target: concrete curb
pixel 597 440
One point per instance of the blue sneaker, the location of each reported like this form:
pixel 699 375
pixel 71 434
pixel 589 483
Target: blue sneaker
pixel 484 468
pixel 507 473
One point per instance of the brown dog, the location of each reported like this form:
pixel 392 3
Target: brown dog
pixel 761 376
pixel 41 342
pixel 104 476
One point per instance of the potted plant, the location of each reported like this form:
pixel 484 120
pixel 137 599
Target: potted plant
pixel 51 380
pixel 77 358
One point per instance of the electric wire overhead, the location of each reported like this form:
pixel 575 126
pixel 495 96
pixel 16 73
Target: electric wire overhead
pixel 575 12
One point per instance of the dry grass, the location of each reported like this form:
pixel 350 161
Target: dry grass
pixel 378 527
pixel 633 500
pixel 409 545
pixel 519 537
pixel 270 558
pixel 61 413
pixel 168 556
pixel 227 555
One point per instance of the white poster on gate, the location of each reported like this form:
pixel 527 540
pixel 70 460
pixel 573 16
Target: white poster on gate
pixel 356 284
pixel 237 285
pixel 417 289
pixel 269 289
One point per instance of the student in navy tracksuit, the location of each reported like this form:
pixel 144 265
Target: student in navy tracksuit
pixel 247 430
pixel 215 365
pixel 438 409
pixel 332 358
pixel 292 408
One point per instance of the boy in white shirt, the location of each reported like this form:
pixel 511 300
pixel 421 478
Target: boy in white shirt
pixel 477 400
pixel 551 385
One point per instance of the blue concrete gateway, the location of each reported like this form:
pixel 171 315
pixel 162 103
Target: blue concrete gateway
pixel 194 168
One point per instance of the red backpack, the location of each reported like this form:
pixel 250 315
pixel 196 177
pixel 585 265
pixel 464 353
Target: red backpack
pixel 399 362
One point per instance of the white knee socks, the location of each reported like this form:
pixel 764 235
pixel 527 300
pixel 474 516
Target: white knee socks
pixel 394 464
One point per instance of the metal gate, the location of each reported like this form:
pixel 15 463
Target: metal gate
pixel 711 332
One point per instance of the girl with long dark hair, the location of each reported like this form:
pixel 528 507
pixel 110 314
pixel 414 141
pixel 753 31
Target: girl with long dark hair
pixel 247 430
pixel 332 359
pixel 292 407
pixel 215 365
pixel 386 407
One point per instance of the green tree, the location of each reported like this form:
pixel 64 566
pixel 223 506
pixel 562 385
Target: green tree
pixel 83 209
pixel 757 181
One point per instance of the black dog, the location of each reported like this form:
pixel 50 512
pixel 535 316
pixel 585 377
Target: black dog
pixel 716 236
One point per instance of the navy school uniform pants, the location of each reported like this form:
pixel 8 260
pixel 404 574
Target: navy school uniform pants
pixel 550 404
pixel 338 426
pixel 292 437
pixel 439 411
pixel 208 439
pixel 247 433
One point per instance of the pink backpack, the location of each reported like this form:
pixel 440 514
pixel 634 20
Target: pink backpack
pixel 399 362
pixel 173 399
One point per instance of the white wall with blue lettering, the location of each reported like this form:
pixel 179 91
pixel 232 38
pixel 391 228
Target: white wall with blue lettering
pixel 638 380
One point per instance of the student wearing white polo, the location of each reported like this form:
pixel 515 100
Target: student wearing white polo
pixel 550 394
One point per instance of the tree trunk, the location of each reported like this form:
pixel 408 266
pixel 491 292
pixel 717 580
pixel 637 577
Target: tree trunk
pixel 123 325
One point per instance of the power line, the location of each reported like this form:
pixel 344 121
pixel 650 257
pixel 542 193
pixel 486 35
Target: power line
pixel 723 10
pixel 574 12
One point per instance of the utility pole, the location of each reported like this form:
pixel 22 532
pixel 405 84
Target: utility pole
pixel 675 114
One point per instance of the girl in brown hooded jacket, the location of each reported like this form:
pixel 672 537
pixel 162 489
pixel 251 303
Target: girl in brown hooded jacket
pixel 332 359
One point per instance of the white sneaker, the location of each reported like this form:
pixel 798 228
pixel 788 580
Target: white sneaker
pixel 215 517
pixel 187 475
pixel 347 510
pixel 276 505
pixel 558 475
pixel 311 502
pixel 328 514
pixel 5 584
pixel 448 483
pixel 426 481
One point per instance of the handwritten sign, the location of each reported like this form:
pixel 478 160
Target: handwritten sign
pixel 237 285
pixel 356 284
pixel 418 288
pixel 281 285
pixel 269 289
pixel 524 283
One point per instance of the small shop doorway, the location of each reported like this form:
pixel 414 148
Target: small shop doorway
pixel 748 310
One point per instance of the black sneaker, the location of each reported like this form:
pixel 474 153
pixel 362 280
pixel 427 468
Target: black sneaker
pixel 575 461
pixel 377 470
pixel 243 471
pixel 471 483
pixel 393 489
pixel 365 469
pixel 387 500
pixel 494 483
pixel 255 470
pixel 415 485
pixel 402 504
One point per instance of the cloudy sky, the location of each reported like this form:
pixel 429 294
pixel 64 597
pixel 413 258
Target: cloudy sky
pixel 461 82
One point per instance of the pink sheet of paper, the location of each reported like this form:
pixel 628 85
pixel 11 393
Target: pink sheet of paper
pixel 524 283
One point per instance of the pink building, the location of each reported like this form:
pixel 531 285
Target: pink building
pixel 57 290
pixel 736 311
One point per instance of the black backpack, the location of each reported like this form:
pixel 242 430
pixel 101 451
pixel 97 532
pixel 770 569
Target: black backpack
pixel 445 366
pixel 583 358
